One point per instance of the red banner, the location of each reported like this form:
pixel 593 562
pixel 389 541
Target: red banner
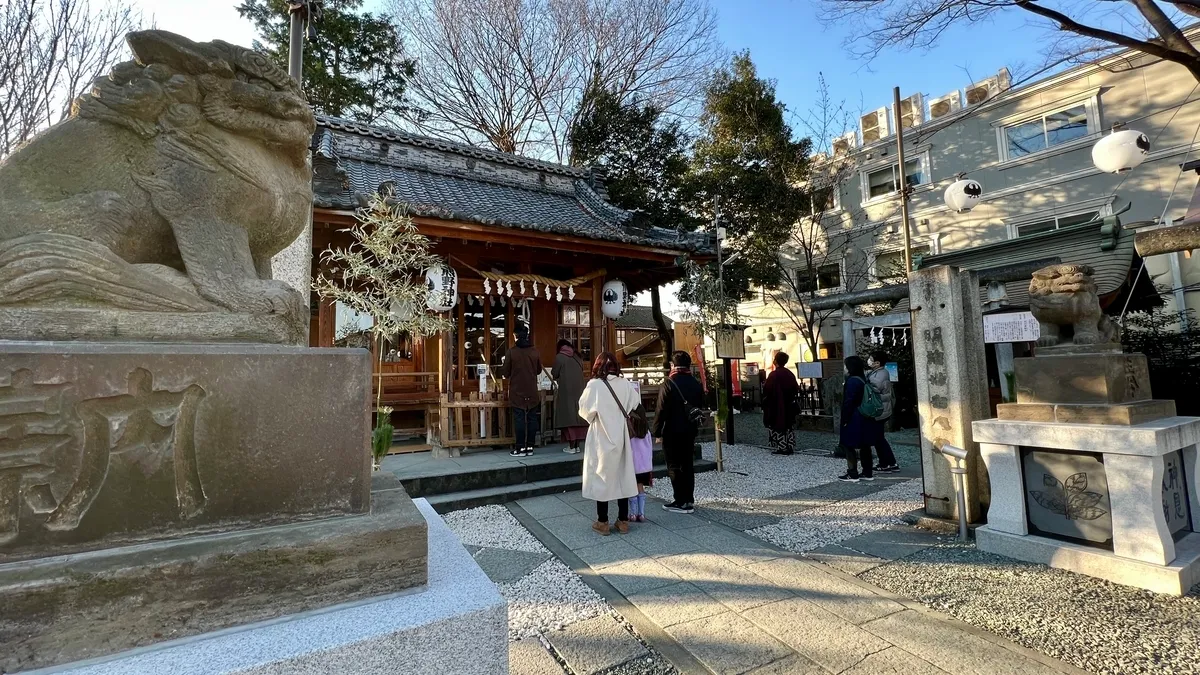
pixel 698 359
pixel 736 373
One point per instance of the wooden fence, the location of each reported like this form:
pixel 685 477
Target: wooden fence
pixel 481 419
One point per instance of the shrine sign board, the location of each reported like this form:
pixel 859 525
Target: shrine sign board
pixel 1011 327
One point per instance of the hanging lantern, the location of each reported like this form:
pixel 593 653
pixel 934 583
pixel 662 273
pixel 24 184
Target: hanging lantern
pixel 1120 151
pixel 615 299
pixel 441 283
pixel 963 195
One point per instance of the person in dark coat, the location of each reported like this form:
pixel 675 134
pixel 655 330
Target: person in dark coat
pixel 568 373
pixel 522 365
pixel 857 433
pixel 780 408
pixel 680 391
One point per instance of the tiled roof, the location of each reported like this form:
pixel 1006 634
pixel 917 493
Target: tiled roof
pixel 452 181
pixel 640 316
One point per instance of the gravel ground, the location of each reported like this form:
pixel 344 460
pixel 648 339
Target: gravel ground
pixel 754 473
pixel 1093 624
pixel 551 596
pixel 842 520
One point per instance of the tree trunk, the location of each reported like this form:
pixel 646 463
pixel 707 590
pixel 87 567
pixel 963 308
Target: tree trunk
pixel 664 334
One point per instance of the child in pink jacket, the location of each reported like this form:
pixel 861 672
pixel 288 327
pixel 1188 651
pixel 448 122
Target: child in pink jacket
pixel 643 468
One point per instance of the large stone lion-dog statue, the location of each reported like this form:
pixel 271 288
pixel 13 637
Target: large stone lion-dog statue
pixel 1064 301
pixel 152 212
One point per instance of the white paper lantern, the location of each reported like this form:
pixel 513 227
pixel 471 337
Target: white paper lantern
pixel 963 195
pixel 615 299
pixel 1120 151
pixel 442 285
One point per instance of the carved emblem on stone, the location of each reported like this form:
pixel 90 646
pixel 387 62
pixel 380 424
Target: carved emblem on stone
pixel 152 212
pixel 55 450
pixel 1063 299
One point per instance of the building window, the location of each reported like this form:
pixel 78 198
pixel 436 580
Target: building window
pixel 885 181
pixel 831 350
pixel 1048 130
pixel 824 200
pixel 889 266
pixel 620 338
pixel 827 277
pixel 575 326
pixel 1055 223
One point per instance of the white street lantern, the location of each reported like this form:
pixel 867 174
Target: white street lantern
pixel 615 299
pixel 442 285
pixel 1120 151
pixel 963 195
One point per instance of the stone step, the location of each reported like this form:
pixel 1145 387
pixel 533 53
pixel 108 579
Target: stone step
pixel 503 474
pixel 502 494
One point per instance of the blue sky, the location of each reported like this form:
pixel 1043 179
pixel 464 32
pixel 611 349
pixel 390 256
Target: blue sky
pixel 790 46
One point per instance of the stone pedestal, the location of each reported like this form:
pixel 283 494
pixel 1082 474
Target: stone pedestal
pixel 1143 477
pixel 103 445
pixel 457 623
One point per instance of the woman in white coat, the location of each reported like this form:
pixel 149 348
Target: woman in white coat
pixel 607 457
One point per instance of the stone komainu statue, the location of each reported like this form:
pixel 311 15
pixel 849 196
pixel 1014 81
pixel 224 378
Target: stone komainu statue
pixel 152 212
pixel 1064 301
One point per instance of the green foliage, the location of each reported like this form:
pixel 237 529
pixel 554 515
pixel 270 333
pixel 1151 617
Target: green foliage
pixel 644 157
pixel 1172 353
pixel 748 167
pixel 354 67
pixel 381 437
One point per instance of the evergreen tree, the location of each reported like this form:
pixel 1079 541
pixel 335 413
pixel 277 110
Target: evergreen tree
pixel 354 67
pixel 748 168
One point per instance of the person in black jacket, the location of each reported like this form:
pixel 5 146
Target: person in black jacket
pixel 679 392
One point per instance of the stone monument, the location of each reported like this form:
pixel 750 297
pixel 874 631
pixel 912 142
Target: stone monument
pixel 1088 472
pixel 172 461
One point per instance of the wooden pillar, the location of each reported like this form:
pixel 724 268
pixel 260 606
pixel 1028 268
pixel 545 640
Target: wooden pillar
pixel 599 332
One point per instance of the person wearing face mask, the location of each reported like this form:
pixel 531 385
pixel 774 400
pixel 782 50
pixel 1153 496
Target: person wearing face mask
pixel 879 379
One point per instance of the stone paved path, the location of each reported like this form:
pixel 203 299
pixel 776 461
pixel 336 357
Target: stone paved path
pixel 713 599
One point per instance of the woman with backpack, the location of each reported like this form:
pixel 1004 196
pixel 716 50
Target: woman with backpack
pixel 856 434
pixel 608 473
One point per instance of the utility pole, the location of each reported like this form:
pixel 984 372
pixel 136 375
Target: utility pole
pixel 727 369
pixel 903 185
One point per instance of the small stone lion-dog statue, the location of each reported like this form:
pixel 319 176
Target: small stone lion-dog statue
pixel 1064 301
pixel 153 210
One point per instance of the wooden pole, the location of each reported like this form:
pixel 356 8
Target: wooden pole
pixel 903 182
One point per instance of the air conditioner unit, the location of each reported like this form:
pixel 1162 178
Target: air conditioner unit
pixel 874 126
pixel 981 91
pixel 912 111
pixel 842 145
pixel 945 105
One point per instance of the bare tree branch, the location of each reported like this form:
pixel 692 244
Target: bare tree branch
pixel 50 51
pixel 512 73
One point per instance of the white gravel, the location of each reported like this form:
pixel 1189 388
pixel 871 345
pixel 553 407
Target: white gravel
pixel 753 473
pixel 549 598
pixel 492 526
pixel 839 521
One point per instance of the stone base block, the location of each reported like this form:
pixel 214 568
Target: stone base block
pixel 457 624
pixel 110 444
pixel 1082 378
pixel 67 608
pixel 1124 414
pixel 1173 579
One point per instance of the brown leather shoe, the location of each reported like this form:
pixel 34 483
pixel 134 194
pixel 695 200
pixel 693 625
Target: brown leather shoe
pixel 603 528
pixel 623 526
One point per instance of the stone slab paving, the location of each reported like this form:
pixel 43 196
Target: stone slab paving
pixel 845 559
pixel 595 645
pixel 739 605
pixel 529 657
pixel 505 566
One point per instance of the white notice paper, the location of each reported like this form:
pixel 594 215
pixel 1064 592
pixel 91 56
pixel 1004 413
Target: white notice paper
pixel 1011 327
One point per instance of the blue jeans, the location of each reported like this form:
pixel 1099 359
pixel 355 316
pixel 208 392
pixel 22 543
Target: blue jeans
pixel 526 423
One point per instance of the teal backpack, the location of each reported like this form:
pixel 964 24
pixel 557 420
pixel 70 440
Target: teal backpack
pixel 871 404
